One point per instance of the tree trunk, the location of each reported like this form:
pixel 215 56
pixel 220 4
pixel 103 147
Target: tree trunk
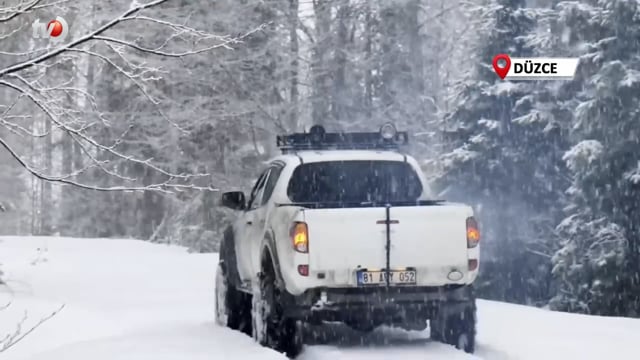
pixel 389 35
pixel 415 48
pixel 339 94
pixel 151 207
pixel 46 205
pixel 320 71
pixel 294 53
pixel 35 188
pixel 368 75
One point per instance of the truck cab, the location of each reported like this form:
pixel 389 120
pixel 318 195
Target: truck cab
pixel 343 227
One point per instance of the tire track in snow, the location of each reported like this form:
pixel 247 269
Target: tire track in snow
pixel 331 342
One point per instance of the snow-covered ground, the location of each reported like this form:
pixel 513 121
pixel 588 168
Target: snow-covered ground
pixel 127 299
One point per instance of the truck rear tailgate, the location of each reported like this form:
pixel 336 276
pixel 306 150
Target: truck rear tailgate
pixel 344 239
pixel 429 239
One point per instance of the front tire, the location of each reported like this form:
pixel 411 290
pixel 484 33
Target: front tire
pixel 270 327
pixel 233 308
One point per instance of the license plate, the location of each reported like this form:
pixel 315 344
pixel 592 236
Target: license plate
pixel 396 277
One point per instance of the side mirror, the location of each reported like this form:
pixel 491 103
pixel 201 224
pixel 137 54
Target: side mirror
pixel 234 200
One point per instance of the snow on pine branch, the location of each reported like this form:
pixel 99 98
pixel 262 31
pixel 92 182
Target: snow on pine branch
pixel 633 176
pixel 581 155
pixel 30 80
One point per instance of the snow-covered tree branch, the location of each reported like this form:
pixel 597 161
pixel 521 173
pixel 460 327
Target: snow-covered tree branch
pixel 35 80
pixel 9 12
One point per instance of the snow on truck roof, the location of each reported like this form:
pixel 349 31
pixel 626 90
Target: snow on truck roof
pixel 309 156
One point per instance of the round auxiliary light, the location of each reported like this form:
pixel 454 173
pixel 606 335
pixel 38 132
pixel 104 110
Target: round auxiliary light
pixel 317 133
pixel 455 275
pixel 388 131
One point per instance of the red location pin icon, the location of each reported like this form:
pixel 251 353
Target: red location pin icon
pixel 501 71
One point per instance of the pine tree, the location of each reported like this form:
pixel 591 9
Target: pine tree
pixel 598 266
pixel 508 141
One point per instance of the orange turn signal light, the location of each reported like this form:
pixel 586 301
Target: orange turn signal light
pixel 473 233
pixel 300 237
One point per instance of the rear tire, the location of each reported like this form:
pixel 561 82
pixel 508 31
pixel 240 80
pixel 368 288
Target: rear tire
pixel 362 327
pixel 233 308
pixel 270 328
pixel 415 325
pixel 457 329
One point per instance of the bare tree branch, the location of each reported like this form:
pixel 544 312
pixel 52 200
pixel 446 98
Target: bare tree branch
pixel 8 35
pixel 164 53
pixel 51 4
pixel 17 10
pixel 6 306
pixel 306 31
pixel 25 7
pixel 81 135
pixel 29 63
pixel 165 187
pixel 12 339
pixel 13 127
pixel 181 27
pixel 69 120
pixel 145 92
pixel 65 178
pixel 276 121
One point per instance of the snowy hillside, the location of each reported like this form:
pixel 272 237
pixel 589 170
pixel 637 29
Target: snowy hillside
pixel 127 299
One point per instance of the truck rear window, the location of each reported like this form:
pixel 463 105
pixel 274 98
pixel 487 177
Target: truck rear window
pixel 354 182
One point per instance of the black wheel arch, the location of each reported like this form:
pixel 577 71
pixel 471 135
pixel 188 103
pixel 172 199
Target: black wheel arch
pixel 228 257
pixel 269 257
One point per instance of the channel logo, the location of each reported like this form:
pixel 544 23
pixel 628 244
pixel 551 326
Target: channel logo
pixel 534 68
pixel 54 30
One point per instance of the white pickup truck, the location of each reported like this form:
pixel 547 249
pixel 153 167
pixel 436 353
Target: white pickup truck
pixel 342 227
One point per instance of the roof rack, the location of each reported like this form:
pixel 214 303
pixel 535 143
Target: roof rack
pixel 388 138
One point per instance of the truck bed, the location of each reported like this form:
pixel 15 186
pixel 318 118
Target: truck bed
pixel 420 244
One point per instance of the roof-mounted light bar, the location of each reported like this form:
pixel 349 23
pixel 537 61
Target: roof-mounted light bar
pixel 388 138
pixel 388 131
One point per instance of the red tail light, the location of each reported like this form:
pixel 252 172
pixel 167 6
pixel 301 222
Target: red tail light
pixel 473 232
pixel 473 264
pixel 300 237
pixel 303 270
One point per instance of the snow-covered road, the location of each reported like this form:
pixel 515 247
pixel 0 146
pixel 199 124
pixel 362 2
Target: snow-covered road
pixel 131 300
